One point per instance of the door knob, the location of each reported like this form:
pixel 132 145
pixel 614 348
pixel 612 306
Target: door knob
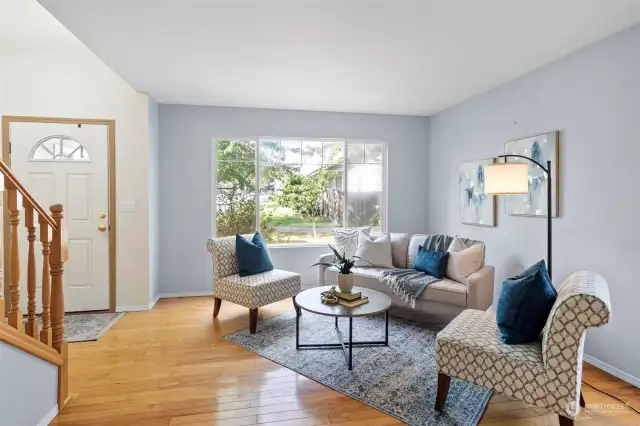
pixel 102 228
pixel 102 215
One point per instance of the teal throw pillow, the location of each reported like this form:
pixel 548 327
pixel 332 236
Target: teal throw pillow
pixel 433 263
pixel 252 256
pixel 524 305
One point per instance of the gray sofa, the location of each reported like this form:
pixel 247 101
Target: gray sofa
pixel 442 300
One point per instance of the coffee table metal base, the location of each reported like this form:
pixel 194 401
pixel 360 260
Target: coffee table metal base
pixel 347 347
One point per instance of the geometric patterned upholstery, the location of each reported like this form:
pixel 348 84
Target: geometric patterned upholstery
pixel 259 289
pixel 546 373
pixel 253 291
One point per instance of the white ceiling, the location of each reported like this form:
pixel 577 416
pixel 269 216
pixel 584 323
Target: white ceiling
pixel 381 56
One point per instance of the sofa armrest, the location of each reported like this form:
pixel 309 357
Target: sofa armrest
pixel 480 288
pixel 324 258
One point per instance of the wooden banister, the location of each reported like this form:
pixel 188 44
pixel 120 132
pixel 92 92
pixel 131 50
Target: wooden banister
pixel 10 180
pixel 49 343
pixel 15 338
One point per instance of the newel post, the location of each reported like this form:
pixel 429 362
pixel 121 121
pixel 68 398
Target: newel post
pixel 59 255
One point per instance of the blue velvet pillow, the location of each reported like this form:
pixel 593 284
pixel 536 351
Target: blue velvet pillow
pixel 524 305
pixel 430 262
pixel 253 256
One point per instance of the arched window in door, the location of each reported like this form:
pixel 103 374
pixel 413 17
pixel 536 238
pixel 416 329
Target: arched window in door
pixel 59 148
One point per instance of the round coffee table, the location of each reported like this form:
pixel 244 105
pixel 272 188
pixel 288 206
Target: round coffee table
pixel 309 300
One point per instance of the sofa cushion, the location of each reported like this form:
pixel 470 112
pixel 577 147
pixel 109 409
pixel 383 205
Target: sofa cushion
pixel 374 251
pixel 374 273
pixel 432 263
pixel 399 248
pixel 414 244
pixel 448 292
pixel 345 241
pixel 445 291
pixel 464 261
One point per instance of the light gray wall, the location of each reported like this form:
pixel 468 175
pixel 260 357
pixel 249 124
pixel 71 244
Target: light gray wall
pixel 185 140
pixel 593 97
pixel 30 387
pixel 154 201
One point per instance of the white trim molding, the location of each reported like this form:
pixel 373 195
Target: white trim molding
pixel 48 418
pixel 186 294
pixel 153 302
pixel 613 370
pixel 138 308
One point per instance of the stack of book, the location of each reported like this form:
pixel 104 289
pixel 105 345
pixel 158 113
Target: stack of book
pixel 351 300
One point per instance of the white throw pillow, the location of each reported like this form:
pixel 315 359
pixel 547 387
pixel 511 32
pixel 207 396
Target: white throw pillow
pixel 346 240
pixel 375 252
pixel 463 261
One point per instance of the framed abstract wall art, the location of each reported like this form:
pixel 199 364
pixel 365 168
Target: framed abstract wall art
pixel 542 147
pixel 475 207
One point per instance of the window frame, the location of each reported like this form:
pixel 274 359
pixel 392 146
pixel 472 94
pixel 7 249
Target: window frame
pixel 257 139
pixel 61 157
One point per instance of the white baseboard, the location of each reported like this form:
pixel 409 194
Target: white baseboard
pixel 186 294
pixel 48 418
pixel 153 302
pixel 138 308
pixel 613 370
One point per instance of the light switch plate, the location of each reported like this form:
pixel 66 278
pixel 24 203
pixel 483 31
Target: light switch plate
pixel 126 207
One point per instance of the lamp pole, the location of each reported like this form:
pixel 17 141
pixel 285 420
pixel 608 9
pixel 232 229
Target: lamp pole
pixel 547 171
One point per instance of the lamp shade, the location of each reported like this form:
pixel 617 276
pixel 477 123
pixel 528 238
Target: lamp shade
pixel 506 178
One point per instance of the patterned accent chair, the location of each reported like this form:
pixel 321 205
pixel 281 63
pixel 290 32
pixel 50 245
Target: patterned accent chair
pixel 251 292
pixel 546 373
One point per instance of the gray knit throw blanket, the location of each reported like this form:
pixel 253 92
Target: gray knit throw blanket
pixel 409 284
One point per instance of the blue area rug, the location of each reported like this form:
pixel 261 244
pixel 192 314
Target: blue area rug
pixel 399 380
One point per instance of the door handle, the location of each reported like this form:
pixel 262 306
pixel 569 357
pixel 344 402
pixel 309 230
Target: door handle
pixel 102 228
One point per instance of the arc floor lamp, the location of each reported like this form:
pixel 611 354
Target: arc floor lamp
pixel 513 179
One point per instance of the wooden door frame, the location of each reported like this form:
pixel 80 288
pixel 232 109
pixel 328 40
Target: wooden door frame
pixel 111 184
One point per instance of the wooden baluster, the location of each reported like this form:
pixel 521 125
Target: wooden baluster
pixel 45 333
pixel 59 255
pixel 15 315
pixel 32 323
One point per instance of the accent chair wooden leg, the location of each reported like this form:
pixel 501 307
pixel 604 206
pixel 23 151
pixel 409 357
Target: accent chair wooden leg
pixel 443 390
pixel 565 421
pixel 582 403
pixel 295 305
pixel 216 306
pixel 253 320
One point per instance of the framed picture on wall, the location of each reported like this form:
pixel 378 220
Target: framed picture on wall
pixel 475 207
pixel 542 147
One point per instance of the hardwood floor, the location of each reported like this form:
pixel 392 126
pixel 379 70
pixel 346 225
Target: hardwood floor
pixel 170 367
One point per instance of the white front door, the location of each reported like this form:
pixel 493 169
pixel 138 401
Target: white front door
pixel 67 164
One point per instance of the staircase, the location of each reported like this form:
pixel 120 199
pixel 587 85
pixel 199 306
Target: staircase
pixel 48 344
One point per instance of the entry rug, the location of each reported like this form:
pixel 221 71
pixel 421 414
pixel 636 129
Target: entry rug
pixel 399 380
pixel 86 327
